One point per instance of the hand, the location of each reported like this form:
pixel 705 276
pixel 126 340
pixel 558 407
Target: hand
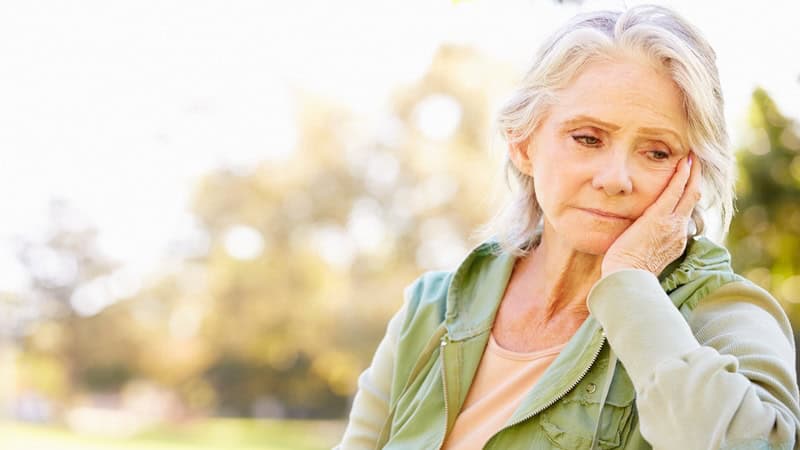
pixel 658 236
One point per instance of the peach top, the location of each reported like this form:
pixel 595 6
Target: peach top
pixel 502 379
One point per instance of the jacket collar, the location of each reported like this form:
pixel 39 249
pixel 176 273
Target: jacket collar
pixel 476 290
pixel 480 281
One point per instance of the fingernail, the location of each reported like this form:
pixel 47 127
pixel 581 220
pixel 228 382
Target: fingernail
pixel 690 160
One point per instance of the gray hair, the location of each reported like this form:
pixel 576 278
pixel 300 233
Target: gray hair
pixel 669 42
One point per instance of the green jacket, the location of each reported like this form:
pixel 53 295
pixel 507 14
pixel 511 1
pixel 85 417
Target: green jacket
pixel 705 361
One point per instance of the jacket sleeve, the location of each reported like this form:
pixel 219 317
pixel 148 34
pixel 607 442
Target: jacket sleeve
pixel 726 379
pixel 371 402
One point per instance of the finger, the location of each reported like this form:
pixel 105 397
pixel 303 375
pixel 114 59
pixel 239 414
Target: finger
pixel 691 195
pixel 671 195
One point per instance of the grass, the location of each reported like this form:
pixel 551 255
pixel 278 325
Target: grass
pixel 216 434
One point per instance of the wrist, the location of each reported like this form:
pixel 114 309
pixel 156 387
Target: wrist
pixel 607 268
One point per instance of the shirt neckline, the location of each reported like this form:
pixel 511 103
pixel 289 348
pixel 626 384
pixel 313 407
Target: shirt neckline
pixel 495 348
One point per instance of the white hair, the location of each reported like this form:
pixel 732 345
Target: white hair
pixel 667 41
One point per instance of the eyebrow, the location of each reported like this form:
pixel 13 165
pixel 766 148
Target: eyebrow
pixel 613 127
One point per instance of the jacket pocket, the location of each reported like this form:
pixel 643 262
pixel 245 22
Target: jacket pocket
pixel 570 422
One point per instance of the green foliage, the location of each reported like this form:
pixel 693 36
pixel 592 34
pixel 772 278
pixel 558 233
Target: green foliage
pixel 110 377
pixel 765 234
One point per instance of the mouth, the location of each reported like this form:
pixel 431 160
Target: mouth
pixel 606 214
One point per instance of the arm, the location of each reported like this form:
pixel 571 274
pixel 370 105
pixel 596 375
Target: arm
pixel 371 403
pixel 724 380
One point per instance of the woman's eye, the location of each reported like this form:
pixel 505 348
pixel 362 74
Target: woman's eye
pixel 590 141
pixel 659 155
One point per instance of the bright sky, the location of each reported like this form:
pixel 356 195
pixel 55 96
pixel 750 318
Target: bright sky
pixel 119 107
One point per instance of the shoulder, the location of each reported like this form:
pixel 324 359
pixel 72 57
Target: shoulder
pixel 711 287
pixel 426 302
pixel 429 288
pixel 704 285
pixel 704 267
pixel 428 295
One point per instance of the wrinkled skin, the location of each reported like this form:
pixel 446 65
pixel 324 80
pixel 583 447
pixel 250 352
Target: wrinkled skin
pixel 610 164
pixel 662 229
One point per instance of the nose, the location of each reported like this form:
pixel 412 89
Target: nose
pixel 612 176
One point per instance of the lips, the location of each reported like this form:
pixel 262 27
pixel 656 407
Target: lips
pixel 605 214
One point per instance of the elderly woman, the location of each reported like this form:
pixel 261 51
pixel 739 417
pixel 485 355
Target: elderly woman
pixel 598 316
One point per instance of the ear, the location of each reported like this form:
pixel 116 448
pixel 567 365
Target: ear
pixel 521 155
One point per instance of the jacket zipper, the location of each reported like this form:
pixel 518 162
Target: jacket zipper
pixel 444 389
pixel 554 399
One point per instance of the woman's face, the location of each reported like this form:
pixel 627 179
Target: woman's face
pixel 605 151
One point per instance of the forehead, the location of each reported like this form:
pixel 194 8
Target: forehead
pixel 629 93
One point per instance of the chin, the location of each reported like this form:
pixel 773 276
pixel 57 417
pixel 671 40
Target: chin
pixel 592 242
pixel 591 237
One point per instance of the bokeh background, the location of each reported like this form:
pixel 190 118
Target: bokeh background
pixel 210 208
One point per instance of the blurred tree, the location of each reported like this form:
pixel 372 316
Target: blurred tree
pixel 54 335
pixel 764 238
pixel 309 257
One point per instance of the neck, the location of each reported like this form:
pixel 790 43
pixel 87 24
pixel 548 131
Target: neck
pixel 558 278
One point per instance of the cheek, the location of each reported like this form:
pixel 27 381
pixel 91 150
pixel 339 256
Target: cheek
pixel 557 181
pixel 651 185
pixel 546 188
